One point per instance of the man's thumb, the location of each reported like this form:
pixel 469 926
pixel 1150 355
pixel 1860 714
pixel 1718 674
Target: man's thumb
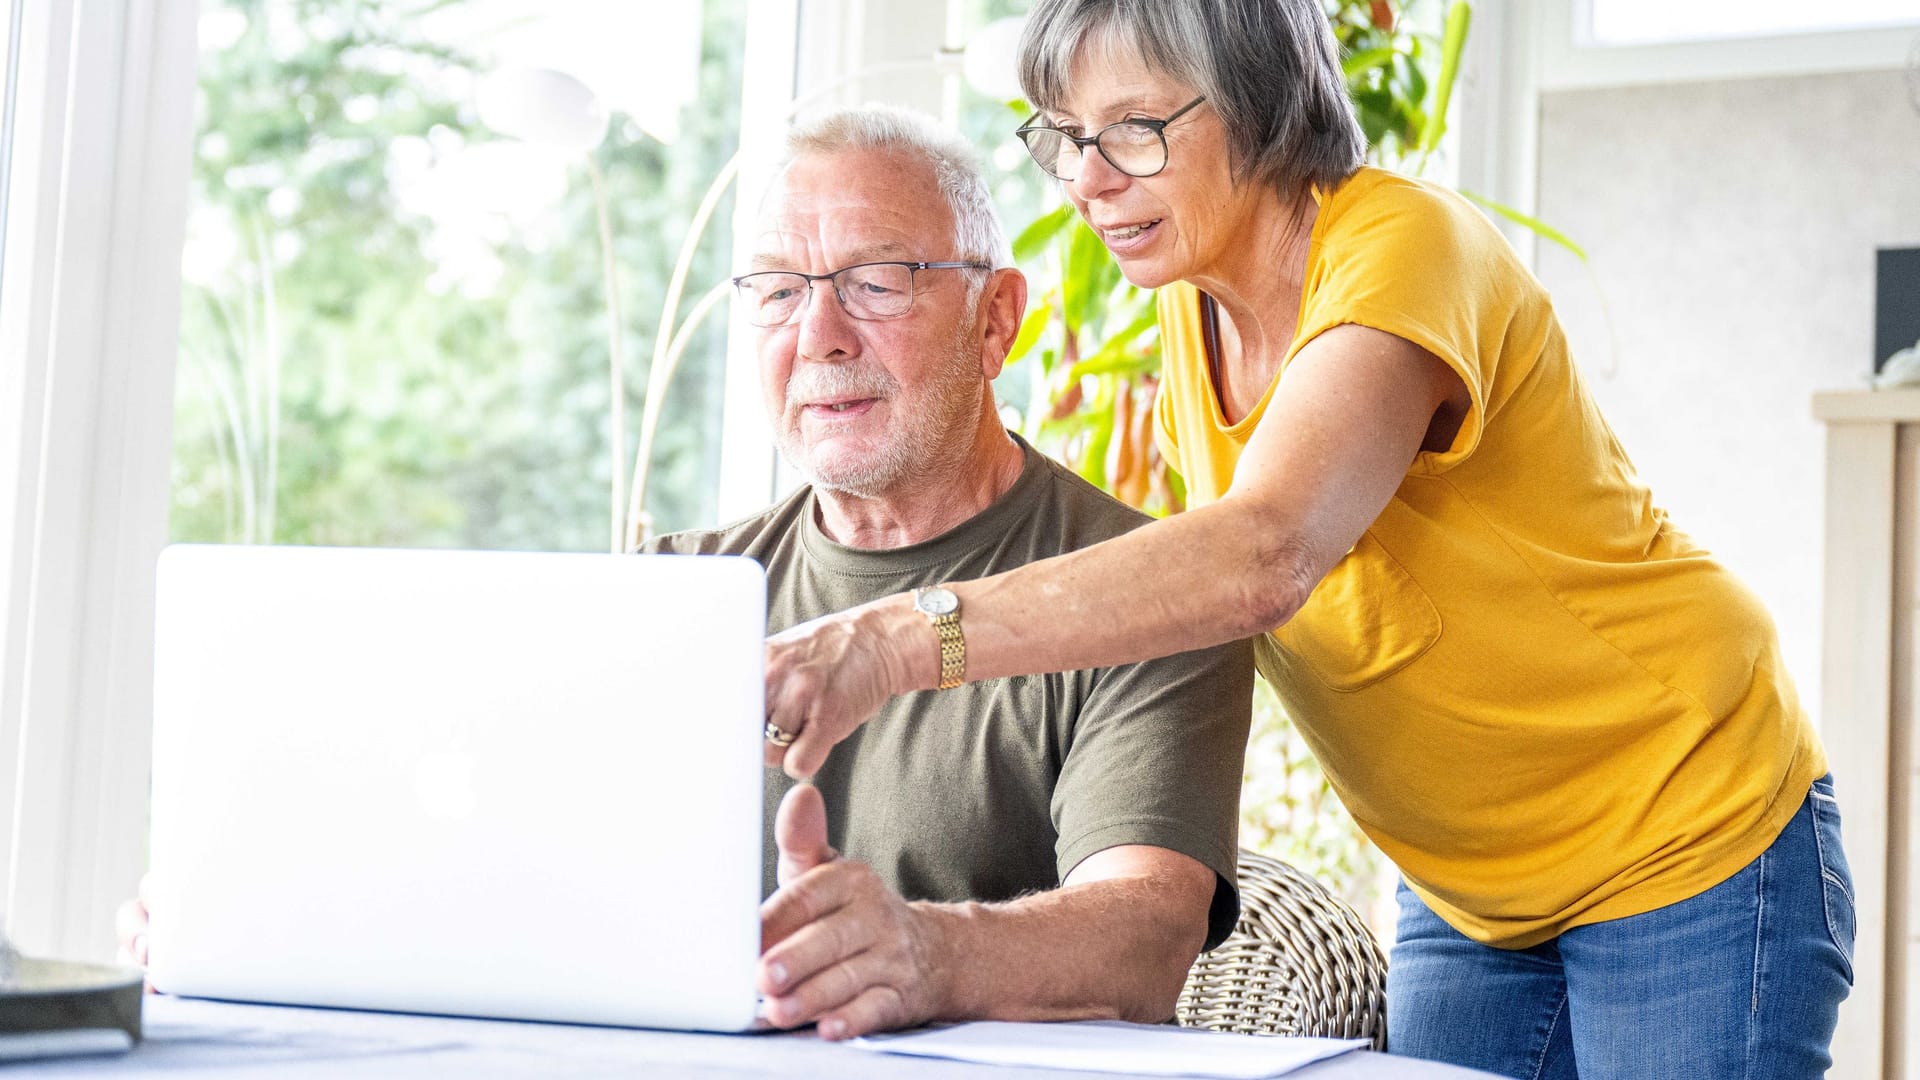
pixel 800 830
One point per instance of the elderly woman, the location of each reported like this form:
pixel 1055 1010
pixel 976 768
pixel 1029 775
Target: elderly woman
pixel 1567 725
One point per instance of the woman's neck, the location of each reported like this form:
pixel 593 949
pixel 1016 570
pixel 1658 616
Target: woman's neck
pixel 1257 280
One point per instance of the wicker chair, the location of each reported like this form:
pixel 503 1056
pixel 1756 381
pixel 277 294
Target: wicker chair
pixel 1300 962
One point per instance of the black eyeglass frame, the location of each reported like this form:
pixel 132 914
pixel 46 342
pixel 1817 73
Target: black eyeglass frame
pixel 833 276
pixel 1158 127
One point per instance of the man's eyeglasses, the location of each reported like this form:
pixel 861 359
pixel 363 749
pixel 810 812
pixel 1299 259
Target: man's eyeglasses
pixel 1135 147
pixel 875 290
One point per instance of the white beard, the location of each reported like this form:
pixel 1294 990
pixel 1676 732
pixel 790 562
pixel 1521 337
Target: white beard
pixel 928 435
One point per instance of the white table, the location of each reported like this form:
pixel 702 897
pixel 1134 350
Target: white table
pixel 188 1037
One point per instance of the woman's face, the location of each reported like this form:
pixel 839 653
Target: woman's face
pixel 1164 227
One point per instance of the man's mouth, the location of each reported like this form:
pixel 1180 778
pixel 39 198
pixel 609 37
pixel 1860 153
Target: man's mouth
pixel 842 407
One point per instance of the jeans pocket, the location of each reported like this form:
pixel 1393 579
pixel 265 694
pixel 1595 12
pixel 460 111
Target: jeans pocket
pixel 1836 880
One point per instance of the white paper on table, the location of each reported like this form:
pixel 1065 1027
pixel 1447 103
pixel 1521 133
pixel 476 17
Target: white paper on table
pixel 1113 1046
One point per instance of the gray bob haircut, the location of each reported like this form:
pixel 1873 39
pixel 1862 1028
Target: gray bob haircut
pixel 1269 68
pixel 978 234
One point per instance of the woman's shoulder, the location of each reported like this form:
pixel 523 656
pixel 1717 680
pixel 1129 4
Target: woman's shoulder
pixel 1374 201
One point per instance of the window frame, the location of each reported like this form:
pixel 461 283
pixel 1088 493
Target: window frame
pixel 748 461
pixel 91 308
pixel 1570 60
pixel 832 52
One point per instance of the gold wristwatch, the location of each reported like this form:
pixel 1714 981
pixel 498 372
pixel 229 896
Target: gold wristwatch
pixel 942 608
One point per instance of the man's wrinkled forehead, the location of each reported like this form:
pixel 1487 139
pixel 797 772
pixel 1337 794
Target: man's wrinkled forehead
pixel 817 211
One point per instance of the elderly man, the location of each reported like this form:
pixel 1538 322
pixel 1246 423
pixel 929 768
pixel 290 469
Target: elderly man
pixel 1048 847
pixel 1052 847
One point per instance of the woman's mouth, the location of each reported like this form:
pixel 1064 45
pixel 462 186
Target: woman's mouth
pixel 1126 238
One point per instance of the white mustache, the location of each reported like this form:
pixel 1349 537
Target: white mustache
pixel 837 383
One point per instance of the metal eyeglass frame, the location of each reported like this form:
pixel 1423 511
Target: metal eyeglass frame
pixel 1158 127
pixel 833 276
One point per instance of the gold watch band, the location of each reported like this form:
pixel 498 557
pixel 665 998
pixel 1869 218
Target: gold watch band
pixel 953 650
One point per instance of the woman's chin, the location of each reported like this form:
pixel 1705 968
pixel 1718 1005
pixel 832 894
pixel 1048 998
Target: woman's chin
pixel 1146 273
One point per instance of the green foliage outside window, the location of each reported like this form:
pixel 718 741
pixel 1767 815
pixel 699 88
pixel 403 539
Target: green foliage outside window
pixel 352 374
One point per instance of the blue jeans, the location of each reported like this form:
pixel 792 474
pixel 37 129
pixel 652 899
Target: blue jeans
pixel 1743 980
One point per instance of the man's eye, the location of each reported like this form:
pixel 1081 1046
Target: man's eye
pixel 874 288
pixel 777 295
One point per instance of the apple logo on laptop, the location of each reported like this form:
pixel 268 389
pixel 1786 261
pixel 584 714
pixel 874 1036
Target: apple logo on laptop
pixel 443 783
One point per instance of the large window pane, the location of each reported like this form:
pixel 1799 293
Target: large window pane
pixel 1649 22
pixel 395 323
pixel 11 12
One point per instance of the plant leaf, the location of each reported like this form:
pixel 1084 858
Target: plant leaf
pixel 1093 459
pixel 1080 291
pixel 1035 237
pixel 1116 362
pixel 1539 227
pixel 1411 77
pixel 1459 19
pixel 1030 330
pixel 1366 60
pixel 1114 356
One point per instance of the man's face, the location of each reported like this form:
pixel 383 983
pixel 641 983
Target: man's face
pixel 863 406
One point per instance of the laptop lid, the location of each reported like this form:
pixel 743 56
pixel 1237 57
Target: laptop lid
pixel 475 783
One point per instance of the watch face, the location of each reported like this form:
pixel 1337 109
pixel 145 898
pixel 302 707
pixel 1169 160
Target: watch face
pixel 936 601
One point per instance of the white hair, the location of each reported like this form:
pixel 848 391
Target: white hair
pixel 977 233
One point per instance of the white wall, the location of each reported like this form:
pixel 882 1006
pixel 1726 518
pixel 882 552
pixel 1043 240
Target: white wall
pixel 1731 227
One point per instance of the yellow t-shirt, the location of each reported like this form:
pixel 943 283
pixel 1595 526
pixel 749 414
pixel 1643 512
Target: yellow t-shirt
pixel 1545 703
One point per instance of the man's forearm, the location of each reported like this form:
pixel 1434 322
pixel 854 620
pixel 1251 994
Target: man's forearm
pixel 1115 948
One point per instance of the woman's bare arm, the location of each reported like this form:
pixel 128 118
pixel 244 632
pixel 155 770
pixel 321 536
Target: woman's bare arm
pixel 1335 443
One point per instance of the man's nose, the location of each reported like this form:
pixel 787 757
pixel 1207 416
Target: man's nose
pixel 826 330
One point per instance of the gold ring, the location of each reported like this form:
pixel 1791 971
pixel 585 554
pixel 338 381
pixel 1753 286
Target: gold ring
pixel 779 736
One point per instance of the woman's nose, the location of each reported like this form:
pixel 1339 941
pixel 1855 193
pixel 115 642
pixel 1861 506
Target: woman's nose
pixel 1097 175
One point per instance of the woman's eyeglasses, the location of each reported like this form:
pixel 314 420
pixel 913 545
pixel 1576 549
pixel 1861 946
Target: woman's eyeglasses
pixel 1135 147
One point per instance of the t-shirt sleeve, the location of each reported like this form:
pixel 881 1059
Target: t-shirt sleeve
pixel 1426 267
pixel 1156 758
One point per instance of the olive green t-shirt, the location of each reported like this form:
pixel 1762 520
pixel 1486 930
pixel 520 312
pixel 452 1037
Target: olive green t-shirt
pixel 999 788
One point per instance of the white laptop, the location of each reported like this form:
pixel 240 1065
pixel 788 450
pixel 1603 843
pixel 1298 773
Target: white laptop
pixel 472 783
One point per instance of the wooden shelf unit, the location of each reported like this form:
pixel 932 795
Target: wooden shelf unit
pixel 1867 715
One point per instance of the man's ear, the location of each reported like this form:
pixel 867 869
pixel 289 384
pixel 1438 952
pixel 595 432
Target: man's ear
pixel 1004 304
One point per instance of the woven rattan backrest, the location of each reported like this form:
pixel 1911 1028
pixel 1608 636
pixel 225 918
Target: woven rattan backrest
pixel 1300 962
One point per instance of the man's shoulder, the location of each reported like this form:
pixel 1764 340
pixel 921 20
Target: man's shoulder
pixel 752 536
pixel 1075 512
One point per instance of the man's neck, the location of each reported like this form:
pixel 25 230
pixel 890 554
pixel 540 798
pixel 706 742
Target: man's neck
pixel 923 507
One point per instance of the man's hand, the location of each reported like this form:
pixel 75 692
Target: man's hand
pixel 837 946
pixel 130 927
